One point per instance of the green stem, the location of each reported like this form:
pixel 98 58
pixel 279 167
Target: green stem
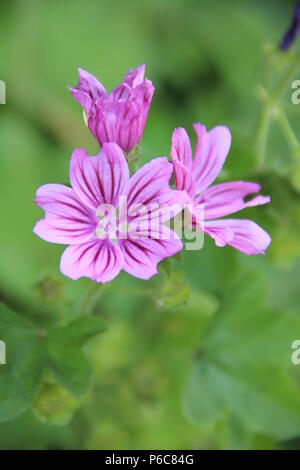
pixel 288 132
pixel 266 114
pixel 286 77
pixel 25 306
pixel 92 296
pixel 261 136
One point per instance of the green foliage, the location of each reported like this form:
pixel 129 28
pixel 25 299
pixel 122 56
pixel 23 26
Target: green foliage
pixel 244 367
pixel 174 291
pixel 283 217
pixel 49 290
pixel 53 404
pixel 21 376
pixel 31 352
pixel 65 356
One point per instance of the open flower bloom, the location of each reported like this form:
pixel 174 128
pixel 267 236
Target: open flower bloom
pixel 104 217
pixel 196 176
pixel 120 116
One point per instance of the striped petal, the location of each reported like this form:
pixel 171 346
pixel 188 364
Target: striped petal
pixel 150 184
pixel 226 198
pixel 243 235
pixel 99 261
pixel 99 180
pixel 88 89
pixel 181 150
pixel 132 79
pixel 67 220
pixel 211 151
pixel 144 250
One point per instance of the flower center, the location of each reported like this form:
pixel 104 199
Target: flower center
pixel 109 225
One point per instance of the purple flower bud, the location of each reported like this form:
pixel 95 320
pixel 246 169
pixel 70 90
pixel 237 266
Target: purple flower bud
pixel 293 30
pixel 120 116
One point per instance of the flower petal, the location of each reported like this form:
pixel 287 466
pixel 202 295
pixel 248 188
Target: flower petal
pixel 113 169
pixel 67 220
pixel 181 153
pixel 150 184
pixel 210 153
pixel 102 120
pixel 100 261
pixel 84 179
pixel 87 90
pixel 99 180
pixel 135 77
pixel 184 179
pixel 122 120
pixel 244 235
pixel 132 79
pixel 225 198
pixel 141 253
pixel 148 195
pixel 181 150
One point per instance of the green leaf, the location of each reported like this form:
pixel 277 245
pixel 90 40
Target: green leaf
pixel 29 353
pixel 65 356
pixel 295 177
pixel 174 292
pixel 199 406
pixel 49 289
pixel 235 436
pixel 244 366
pixel 20 377
pixel 79 332
pixel 281 219
pixel 53 404
pixel 166 266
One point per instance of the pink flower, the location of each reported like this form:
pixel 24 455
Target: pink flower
pixel 119 116
pixel 196 176
pixel 100 245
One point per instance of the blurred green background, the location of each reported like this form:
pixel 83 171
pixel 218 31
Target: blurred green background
pixel 200 356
